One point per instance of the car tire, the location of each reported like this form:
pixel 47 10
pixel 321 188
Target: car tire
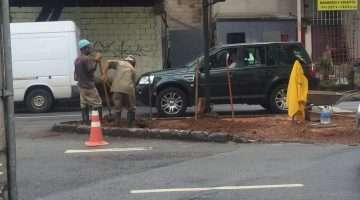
pixel 171 102
pixel 277 99
pixel 39 100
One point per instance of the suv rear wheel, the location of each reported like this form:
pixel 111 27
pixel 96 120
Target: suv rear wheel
pixel 171 102
pixel 278 99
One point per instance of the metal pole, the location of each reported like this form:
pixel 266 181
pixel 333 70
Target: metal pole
pixel 205 7
pixel 150 101
pixel 9 103
pixel 228 73
pixel 299 20
pixel 196 85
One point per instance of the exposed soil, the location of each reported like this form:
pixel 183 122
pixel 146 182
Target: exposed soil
pixel 274 128
pixel 268 128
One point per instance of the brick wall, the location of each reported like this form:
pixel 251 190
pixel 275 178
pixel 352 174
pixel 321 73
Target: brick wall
pixel 183 14
pixel 115 31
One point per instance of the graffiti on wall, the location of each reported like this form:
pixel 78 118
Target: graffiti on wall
pixel 118 48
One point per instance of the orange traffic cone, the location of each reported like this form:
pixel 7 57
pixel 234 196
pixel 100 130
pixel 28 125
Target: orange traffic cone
pixel 96 136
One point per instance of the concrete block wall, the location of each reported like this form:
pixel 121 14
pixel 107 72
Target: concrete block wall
pixel 183 14
pixel 115 31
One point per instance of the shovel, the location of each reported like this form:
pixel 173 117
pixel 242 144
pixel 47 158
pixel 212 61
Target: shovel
pixel 107 99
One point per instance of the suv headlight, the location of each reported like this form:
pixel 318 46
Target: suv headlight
pixel 146 80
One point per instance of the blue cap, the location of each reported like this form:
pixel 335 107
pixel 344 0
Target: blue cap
pixel 84 43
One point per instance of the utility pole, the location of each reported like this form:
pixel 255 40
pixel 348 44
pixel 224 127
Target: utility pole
pixel 206 4
pixel 8 188
pixel 299 28
pixel 206 53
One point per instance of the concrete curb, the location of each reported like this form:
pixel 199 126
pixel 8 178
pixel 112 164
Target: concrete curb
pixel 171 134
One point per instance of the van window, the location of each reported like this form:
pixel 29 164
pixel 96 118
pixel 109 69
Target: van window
pixel 220 59
pixel 253 56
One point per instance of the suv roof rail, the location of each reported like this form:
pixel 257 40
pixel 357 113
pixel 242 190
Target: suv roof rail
pixel 254 43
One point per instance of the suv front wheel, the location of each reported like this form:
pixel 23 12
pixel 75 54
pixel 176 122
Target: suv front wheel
pixel 171 102
pixel 278 99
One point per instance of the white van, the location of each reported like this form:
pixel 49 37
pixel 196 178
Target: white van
pixel 43 55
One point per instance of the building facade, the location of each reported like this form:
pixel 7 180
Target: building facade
pixel 336 30
pixel 255 21
pixel 184 20
pixel 117 28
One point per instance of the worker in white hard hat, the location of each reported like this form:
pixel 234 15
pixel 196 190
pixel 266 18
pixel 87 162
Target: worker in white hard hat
pixel 123 87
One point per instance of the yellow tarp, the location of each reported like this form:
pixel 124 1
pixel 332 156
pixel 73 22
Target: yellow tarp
pixel 297 92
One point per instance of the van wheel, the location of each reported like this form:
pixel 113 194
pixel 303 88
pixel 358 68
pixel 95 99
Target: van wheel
pixel 278 99
pixel 39 100
pixel 171 102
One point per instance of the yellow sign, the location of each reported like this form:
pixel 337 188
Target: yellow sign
pixel 329 5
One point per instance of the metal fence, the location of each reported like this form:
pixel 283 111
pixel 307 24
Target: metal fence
pixel 335 34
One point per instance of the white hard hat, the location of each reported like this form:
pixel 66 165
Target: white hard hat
pixel 130 58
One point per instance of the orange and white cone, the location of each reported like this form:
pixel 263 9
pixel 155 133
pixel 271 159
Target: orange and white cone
pixel 96 137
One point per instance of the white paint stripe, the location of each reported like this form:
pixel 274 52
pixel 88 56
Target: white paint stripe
pixel 216 188
pixel 72 151
pixel 1 173
pixel 50 116
pixel 95 124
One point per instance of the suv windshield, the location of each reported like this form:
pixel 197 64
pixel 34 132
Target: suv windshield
pixel 192 63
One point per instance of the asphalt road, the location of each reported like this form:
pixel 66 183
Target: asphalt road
pixel 185 170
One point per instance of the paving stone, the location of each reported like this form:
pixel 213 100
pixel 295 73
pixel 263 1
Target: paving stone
pixel 200 135
pixel 219 137
pixel 137 132
pixel 239 139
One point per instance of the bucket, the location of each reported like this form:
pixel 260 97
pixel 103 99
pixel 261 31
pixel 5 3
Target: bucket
pixel 325 115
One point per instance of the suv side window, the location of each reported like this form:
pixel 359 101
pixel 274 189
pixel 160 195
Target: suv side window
pixel 273 55
pixel 292 52
pixel 220 59
pixel 253 56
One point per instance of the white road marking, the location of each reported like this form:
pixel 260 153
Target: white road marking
pixel 216 188
pixel 72 151
pixel 1 173
pixel 44 116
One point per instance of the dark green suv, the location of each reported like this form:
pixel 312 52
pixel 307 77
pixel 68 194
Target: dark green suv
pixel 259 74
